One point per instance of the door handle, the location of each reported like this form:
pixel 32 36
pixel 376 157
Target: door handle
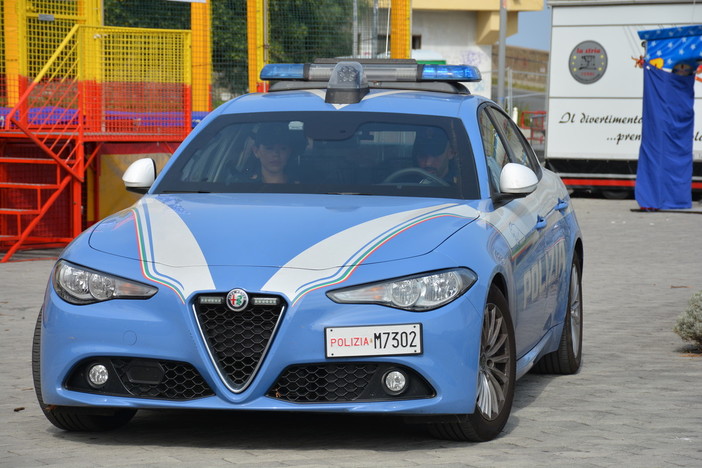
pixel 561 205
pixel 540 222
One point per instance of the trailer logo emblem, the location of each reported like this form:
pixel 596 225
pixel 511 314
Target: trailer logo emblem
pixel 587 62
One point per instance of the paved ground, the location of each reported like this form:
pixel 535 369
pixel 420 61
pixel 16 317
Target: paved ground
pixel 636 402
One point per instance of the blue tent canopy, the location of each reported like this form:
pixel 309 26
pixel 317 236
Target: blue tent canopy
pixel 664 171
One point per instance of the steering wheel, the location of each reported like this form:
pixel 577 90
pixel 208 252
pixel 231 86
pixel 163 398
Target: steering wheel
pixel 425 176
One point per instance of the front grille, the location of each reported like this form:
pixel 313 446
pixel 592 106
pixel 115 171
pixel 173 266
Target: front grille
pixel 237 341
pixel 142 378
pixel 347 381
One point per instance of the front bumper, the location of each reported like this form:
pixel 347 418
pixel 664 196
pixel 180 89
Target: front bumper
pixel 136 338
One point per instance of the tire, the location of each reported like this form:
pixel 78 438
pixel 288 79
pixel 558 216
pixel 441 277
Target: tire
pixel 568 357
pixel 496 378
pixel 71 418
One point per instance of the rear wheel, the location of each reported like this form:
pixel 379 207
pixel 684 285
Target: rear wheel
pixel 496 378
pixel 567 358
pixel 70 418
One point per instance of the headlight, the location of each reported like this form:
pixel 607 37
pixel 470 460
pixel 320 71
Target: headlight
pixel 416 293
pixel 79 285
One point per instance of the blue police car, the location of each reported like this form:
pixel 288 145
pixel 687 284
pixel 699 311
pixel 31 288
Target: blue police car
pixel 365 237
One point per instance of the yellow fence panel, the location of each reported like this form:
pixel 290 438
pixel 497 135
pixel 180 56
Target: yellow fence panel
pixel 136 81
pixel 112 84
pixel 32 31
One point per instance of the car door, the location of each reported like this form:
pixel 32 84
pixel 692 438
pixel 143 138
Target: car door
pixel 534 228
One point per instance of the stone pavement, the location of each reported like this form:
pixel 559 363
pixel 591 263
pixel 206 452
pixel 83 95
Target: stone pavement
pixel 636 402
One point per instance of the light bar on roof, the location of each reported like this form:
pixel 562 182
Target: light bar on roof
pixel 347 84
pixel 388 72
pixel 450 73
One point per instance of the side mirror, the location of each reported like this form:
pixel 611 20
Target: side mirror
pixel 140 175
pixel 516 179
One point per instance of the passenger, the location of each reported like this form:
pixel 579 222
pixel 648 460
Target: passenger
pixel 273 148
pixel 434 154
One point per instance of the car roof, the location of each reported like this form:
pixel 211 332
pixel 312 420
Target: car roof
pixel 377 100
pixel 371 85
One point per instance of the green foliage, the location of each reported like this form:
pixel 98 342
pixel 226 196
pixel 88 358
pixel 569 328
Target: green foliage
pixel 147 14
pixel 229 45
pixel 302 30
pixel 689 324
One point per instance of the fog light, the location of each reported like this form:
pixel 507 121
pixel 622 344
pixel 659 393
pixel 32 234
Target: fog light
pixel 395 382
pixel 97 375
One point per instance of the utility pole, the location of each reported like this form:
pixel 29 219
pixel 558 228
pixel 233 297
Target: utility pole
pixel 501 55
pixel 355 29
pixel 374 32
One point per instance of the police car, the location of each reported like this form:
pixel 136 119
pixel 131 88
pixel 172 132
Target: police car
pixel 364 238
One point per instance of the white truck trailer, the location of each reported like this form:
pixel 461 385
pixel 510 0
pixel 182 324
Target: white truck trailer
pixel 595 90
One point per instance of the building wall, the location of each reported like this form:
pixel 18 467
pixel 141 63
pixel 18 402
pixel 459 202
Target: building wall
pixel 451 36
pixel 477 5
pixel 529 67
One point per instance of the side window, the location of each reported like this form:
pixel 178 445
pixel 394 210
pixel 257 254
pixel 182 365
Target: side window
pixel 495 152
pixel 520 151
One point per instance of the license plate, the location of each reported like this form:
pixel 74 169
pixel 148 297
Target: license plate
pixel 376 340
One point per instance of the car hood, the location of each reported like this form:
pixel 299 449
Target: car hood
pixel 278 230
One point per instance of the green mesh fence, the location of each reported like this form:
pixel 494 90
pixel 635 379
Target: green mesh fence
pixel 298 31
pixel 229 50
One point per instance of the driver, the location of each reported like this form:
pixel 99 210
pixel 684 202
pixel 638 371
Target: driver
pixel 272 148
pixel 434 154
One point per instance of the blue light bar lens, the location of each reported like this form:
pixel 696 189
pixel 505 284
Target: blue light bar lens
pixel 283 71
pixel 450 73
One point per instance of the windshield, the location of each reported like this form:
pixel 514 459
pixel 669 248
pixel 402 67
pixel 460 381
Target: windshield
pixel 327 152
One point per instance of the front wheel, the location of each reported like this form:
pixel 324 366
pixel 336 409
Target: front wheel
pixel 496 378
pixel 567 358
pixel 70 418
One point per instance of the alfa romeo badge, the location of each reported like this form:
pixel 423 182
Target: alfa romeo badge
pixel 237 300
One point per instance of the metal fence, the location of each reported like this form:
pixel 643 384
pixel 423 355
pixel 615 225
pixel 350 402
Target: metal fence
pixel 294 31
